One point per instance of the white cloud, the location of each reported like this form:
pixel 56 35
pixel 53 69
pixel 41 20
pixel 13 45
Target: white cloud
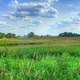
pixel 3 23
pixel 38 16
pixel 34 8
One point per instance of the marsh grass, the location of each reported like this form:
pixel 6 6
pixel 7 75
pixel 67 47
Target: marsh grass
pixel 40 63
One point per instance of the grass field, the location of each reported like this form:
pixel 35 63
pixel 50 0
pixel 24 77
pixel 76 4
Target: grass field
pixel 40 59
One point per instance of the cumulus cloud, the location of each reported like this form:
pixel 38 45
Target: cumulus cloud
pixel 34 8
pixel 3 23
pixel 76 19
pixel 8 16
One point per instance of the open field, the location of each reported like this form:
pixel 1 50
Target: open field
pixel 40 59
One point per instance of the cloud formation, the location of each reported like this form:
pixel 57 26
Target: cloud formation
pixel 76 20
pixel 34 8
pixel 40 16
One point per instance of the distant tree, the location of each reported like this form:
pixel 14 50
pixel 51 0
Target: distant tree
pixel 10 35
pixel 30 35
pixel 68 34
pixel 2 35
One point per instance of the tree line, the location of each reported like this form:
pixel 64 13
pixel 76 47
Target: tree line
pixel 69 34
pixel 32 34
pixel 8 35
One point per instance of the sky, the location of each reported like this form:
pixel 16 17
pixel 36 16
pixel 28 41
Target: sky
pixel 39 16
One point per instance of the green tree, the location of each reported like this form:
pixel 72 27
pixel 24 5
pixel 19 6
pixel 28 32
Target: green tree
pixel 30 35
pixel 10 35
pixel 69 34
pixel 2 35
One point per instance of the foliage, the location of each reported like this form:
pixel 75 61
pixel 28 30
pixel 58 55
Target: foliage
pixel 10 35
pixel 30 35
pixel 69 34
pixel 2 35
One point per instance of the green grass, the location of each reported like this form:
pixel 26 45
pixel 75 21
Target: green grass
pixel 46 61
pixel 49 68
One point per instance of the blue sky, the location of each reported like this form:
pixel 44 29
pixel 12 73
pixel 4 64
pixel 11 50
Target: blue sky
pixel 39 16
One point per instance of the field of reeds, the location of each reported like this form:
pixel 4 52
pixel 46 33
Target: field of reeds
pixel 40 59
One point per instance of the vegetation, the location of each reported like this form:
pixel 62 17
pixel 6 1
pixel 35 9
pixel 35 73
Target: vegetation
pixel 69 34
pixel 32 35
pixel 56 58
pixel 2 35
pixel 10 35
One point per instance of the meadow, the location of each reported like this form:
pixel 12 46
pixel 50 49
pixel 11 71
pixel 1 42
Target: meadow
pixel 56 58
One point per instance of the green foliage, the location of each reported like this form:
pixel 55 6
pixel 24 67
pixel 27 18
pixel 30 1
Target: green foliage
pixel 2 35
pixel 69 34
pixel 30 35
pixel 10 35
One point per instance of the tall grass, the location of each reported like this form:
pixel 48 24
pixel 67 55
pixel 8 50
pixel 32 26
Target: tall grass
pixel 40 52
pixel 50 68
pixel 39 63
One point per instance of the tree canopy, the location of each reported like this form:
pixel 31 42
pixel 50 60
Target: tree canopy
pixel 2 35
pixel 69 34
pixel 8 35
pixel 30 35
